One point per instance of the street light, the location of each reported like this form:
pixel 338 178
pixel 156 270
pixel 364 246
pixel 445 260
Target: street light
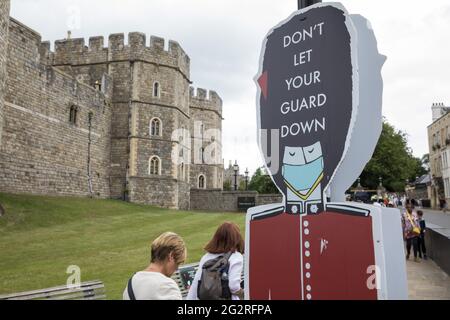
pixel 236 170
pixel 406 188
pixel 246 179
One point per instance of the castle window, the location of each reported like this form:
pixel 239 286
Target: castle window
pixel 201 182
pixel 182 171
pixel 73 115
pixel 156 89
pixel 154 166
pixel 202 130
pixel 90 118
pixel 155 127
pixel 202 154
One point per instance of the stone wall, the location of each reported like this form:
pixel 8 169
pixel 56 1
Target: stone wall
pixel 264 199
pixel 216 200
pixel 41 151
pixel 159 191
pixel 4 26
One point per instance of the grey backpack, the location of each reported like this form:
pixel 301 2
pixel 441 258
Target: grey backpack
pixel 213 284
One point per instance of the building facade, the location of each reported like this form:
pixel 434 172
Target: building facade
pixel 109 121
pixel 439 151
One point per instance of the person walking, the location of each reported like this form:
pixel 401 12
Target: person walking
pixel 421 238
pixel 168 251
pixel 444 205
pixel 411 232
pixel 227 242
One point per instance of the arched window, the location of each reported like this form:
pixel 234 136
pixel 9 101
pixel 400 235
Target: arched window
pixel 73 115
pixel 201 182
pixel 156 89
pixel 182 171
pixel 155 127
pixel 202 155
pixel 154 166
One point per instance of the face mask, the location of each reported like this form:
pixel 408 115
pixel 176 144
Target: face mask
pixel 303 177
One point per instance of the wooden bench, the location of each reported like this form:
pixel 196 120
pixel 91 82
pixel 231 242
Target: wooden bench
pixel 185 275
pixel 92 290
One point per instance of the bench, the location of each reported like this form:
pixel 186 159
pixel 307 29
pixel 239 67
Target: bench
pixel 185 275
pixel 92 290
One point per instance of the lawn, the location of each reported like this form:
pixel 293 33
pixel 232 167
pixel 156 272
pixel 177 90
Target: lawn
pixel 108 239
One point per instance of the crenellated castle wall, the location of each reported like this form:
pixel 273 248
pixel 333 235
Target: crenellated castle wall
pixel 113 85
pixel 135 68
pixel 42 152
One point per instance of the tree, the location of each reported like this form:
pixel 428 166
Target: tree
pixel 242 185
pixel 227 185
pixel 393 161
pixel 262 183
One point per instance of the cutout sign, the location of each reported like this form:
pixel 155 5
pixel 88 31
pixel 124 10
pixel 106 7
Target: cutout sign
pixel 307 109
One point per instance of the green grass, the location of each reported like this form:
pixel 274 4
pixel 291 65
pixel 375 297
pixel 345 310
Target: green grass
pixel 108 239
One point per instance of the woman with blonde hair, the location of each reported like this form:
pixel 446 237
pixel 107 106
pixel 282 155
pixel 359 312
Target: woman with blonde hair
pixel 227 242
pixel 168 251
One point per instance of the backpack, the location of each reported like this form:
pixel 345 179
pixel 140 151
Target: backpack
pixel 213 284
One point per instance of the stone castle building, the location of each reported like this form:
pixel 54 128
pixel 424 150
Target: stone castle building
pixel 118 121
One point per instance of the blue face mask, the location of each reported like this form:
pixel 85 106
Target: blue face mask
pixel 303 177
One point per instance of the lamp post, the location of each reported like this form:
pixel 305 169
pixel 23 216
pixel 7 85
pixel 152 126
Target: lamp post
pixel 406 188
pixel 306 3
pixel 236 170
pixel 246 179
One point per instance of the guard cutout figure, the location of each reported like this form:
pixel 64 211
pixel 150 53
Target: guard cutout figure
pixel 308 248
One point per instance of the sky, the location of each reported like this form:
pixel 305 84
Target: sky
pixel 223 39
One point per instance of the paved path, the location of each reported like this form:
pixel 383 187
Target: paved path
pixel 426 281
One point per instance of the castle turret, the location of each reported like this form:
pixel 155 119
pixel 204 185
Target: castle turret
pixel 206 129
pixel 4 26
pixel 150 102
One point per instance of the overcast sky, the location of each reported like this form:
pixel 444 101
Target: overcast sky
pixel 223 39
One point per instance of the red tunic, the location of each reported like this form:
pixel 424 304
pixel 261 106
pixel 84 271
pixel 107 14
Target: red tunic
pixel 311 257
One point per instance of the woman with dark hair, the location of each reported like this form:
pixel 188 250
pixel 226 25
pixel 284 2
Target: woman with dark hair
pixel 226 241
